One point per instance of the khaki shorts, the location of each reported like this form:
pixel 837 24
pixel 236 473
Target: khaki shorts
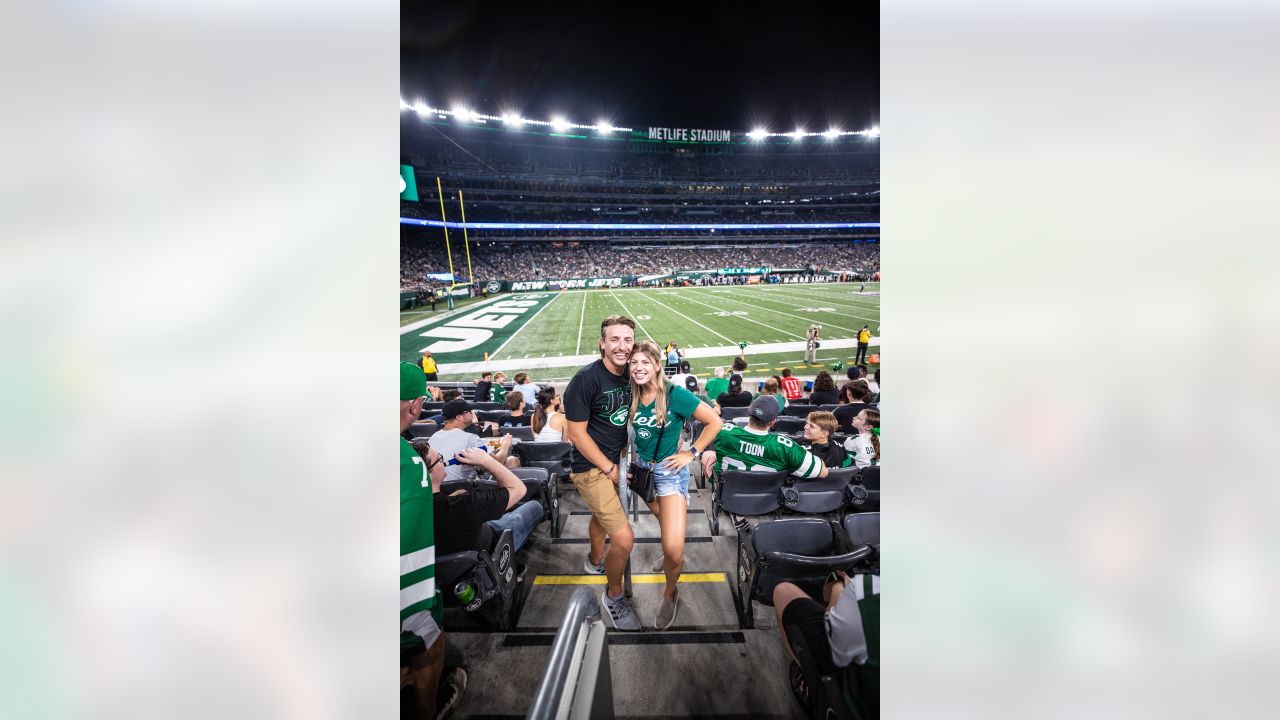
pixel 601 495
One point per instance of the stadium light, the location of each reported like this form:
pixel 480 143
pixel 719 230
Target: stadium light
pixel 604 128
pixel 404 105
pixel 874 132
pixel 832 134
pixel 422 108
pixel 461 113
pixel 757 134
pixel 798 134
pixel 511 119
pixel 559 124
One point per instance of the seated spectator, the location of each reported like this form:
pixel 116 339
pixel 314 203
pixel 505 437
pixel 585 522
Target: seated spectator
pixel 717 384
pixel 874 384
pixel 498 393
pixel 859 398
pixel 484 387
pixel 518 416
pixel 453 438
pixel 843 636
pixel 526 387
pixel 818 428
pixel 684 378
pixel 791 386
pixel 735 396
pixel 472 519
pixel 864 445
pixel 824 390
pixel 772 387
pixel 548 417
pixel 755 448
pixel 446 396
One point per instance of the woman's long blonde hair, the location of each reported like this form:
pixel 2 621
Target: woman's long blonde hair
pixel 650 348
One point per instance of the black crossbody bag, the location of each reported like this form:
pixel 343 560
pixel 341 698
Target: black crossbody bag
pixel 640 479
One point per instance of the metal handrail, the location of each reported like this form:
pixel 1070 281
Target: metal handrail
pixel 570 641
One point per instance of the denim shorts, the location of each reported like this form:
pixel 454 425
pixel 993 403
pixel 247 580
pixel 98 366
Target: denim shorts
pixel 666 482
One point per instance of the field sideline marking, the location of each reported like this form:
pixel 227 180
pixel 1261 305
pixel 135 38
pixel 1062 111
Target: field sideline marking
pixel 520 329
pixel 744 317
pixel 792 296
pixel 578 348
pixel 695 322
pixel 633 317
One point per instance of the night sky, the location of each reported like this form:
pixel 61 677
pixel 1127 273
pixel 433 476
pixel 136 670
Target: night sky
pixel 699 65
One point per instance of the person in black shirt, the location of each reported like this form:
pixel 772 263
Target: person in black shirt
pixel 824 390
pixel 858 397
pixel 596 405
pixel 818 428
pixel 484 387
pixel 518 416
pixel 735 396
pixel 472 519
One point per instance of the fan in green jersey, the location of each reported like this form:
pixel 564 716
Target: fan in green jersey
pixel 755 448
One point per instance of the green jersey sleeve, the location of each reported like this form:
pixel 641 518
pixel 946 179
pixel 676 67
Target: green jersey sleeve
pixel 796 459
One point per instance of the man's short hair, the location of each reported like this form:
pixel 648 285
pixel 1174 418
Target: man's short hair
pixel 771 386
pixel 453 394
pixel 522 378
pixel 786 372
pixel 616 320
pixel 486 374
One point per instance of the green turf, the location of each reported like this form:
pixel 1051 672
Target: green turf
pixel 693 317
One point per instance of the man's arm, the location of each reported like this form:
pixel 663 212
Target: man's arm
pixel 504 449
pixel 506 479
pixel 576 432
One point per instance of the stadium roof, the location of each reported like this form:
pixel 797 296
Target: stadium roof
pixel 737 67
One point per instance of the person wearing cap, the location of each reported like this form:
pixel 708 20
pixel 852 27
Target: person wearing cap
pixel 734 396
pixel 755 448
pixel 421 634
pixel 428 365
pixel 453 438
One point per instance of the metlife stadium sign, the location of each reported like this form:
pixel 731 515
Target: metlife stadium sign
pixel 690 134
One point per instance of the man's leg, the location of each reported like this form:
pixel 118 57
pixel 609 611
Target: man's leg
pixel 596 532
pixel 521 521
pixel 615 560
pixel 422 673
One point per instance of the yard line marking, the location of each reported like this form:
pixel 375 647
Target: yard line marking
pixel 633 317
pixel 695 322
pixel 812 302
pixel 743 317
pixel 519 330
pixel 577 350
pixel 780 312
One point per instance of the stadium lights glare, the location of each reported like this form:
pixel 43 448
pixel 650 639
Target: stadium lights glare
pixel 461 113
pixel 874 132
pixel 757 134
pixel 559 124
pixel 604 128
pixel 798 134
pixel 832 134
pixel 511 119
pixel 404 105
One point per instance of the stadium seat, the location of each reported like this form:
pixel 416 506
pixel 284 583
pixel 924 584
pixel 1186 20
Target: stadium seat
pixel 802 551
pixel 819 495
pixel 864 491
pixel 433 406
pixel 862 528
pixel 746 493
pixel 493 416
pixel 423 429
pixel 552 457
pixel 538 481
pixel 479 406
pixel 799 410
pixel 729 413
pixel 493 574
pixel 828 408
pixel 787 425
pixel 523 433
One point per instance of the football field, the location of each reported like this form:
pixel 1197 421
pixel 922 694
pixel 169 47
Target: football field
pixel 552 334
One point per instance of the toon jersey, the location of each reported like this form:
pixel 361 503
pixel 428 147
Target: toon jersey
pixel 738 448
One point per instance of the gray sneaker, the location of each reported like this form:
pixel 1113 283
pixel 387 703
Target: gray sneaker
pixel 591 568
pixel 620 611
pixel 667 611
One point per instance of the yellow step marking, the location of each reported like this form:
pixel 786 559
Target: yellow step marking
pixel 638 579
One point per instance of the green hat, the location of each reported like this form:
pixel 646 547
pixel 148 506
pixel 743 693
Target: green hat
pixel 413 384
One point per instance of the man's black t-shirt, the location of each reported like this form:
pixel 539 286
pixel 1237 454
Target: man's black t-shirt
pixel 824 397
pixel 742 399
pixel 483 391
pixel 460 519
pixel 831 455
pixel 602 399
pixel 515 420
pixel 846 413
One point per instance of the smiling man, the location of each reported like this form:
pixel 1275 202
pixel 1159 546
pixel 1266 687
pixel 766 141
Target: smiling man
pixel 595 408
